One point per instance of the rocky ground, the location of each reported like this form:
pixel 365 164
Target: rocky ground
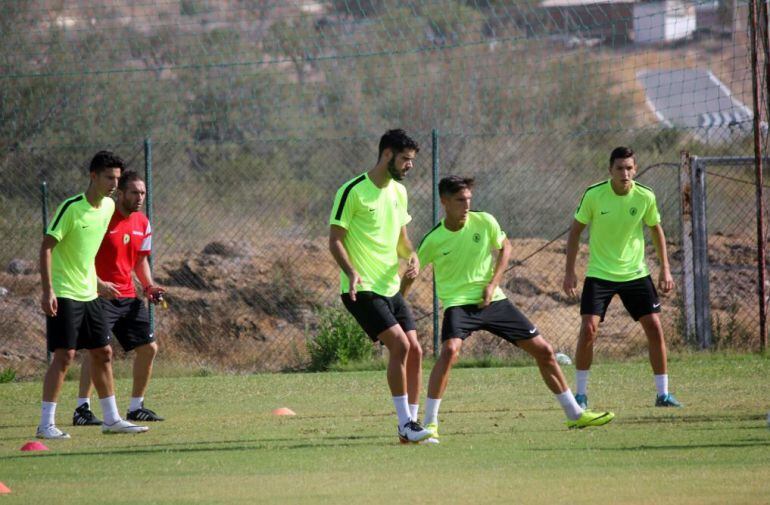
pixel 254 309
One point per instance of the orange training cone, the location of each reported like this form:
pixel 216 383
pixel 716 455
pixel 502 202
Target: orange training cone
pixel 34 446
pixel 4 489
pixel 283 411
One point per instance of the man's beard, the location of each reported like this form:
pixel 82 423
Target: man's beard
pixel 394 174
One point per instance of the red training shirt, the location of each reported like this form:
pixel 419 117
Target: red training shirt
pixel 127 238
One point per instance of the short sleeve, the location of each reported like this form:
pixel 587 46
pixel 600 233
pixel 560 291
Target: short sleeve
pixel 61 223
pixel 496 234
pixel 652 216
pixel 584 212
pixel 146 247
pixel 342 210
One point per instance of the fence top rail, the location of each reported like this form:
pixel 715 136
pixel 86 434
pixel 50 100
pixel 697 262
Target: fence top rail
pixel 727 160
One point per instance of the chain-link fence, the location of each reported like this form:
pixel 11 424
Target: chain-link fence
pixel 259 110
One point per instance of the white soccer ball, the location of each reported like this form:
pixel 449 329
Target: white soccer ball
pixel 563 359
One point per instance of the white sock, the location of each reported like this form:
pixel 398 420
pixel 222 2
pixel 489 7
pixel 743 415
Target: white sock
pixel 81 401
pixel 570 406
pixel 431 410
pixel 414 408
pixel 582 381
pixel 661 384
pixel 48 414
pixel 109 410
pixel 136 403
pixel 402 409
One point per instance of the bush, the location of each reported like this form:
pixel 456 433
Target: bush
pixel 339 340
pixel 7 375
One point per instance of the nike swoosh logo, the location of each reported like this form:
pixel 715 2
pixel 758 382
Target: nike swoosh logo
pixel 533 330
pixel 446 253
pixel 86 226
pixel 371 210
pixel 655 305
pixel 604 212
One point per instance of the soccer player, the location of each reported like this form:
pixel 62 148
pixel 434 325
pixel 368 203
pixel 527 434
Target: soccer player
pixel 467 277
pixel 125 248
pixel 617 211
pixel 74 313
pixel 366 238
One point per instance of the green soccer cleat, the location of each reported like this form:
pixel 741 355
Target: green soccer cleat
pixel 667 400
pixel 582 400
pixel 588 418
pixel 433 429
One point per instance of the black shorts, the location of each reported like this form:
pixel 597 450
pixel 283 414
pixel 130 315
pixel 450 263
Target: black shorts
pixel 376 313
pixel 500 318
pixel 77 325
pixel 639 296
pixel 129 320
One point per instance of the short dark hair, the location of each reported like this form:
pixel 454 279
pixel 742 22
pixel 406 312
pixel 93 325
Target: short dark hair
pixel 453 183
pixel 126 177
pixel 397 141
pixel 621 153
pixel 104 160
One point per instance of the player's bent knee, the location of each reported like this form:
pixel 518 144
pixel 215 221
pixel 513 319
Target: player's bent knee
pixel 148 350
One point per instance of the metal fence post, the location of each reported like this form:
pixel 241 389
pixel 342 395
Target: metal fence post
pixel 435 222
pixel 148 204
pixel 700 253
pixel 44 204
pixel 688 278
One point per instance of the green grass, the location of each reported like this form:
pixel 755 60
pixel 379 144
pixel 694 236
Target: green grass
pixel 503 441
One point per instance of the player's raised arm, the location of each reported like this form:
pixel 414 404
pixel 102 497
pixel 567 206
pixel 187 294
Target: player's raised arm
pixel 573 242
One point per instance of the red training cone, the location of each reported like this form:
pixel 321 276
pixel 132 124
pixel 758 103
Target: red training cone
pixel 283 411
pixel 34 446
pixel 4 489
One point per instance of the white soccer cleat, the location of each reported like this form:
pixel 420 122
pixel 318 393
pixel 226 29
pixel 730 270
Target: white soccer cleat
pixel 412 432
pixel 123 426
pixel 51 432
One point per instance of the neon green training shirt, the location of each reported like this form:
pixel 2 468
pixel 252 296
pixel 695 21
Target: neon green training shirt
pixel 462 260
pixel 373 218
pixel 79 228
pixel 616 242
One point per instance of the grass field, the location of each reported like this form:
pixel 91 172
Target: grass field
pixel 503 441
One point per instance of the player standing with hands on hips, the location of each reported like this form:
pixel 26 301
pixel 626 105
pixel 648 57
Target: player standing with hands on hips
pixel 617 211
pixel 367 236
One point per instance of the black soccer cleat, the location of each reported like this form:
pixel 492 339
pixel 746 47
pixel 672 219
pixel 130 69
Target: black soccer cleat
pixel 83 416
pixel 143 414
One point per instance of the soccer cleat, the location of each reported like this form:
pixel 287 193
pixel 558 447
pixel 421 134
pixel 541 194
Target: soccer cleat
pixel 83 416
pixel 412 432
pixel 582 400
pixel 667 400
pixel 143 414
pixel 433 438
pixel 51 432
pixel 123 426
pixel 589 418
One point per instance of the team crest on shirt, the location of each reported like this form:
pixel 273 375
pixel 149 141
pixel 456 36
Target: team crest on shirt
pixel 476 237
pixel 633 211
pixel 126 238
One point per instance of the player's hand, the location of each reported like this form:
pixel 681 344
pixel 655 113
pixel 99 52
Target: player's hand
pixel 355 280
pixel 49 304
pixel 570 284
pixel 489 292
pixel 665 280
pixel 154 294
pixel 413 267
pixel 107 290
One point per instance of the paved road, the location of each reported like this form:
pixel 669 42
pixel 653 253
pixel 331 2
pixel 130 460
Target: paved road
pixel 693 98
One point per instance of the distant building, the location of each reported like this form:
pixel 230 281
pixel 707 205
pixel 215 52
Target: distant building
pixel 666 21
pixel 609 20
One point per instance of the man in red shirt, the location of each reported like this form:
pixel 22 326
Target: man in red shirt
pixel 126 248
